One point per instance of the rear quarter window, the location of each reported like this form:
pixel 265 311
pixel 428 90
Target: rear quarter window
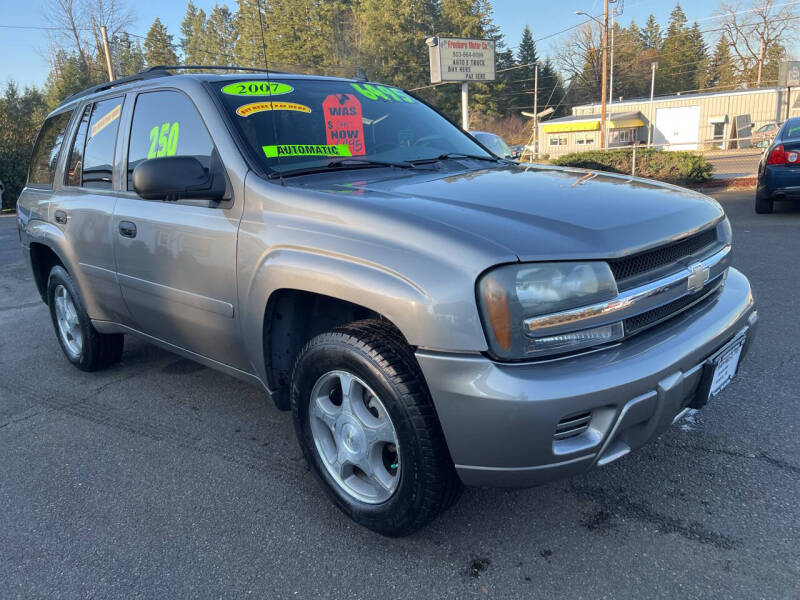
pixel 46 150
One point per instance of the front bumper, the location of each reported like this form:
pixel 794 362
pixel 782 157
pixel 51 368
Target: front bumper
pixel 499 420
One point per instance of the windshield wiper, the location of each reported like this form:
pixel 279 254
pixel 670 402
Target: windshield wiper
pixel 449 155
pixel 344 164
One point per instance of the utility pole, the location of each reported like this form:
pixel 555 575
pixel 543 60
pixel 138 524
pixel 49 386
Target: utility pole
pixel 104 33
pixel 535 107
pixel 464 106
pixel 604 78
pixel 760 62
pixel 611 69
pixel 653 67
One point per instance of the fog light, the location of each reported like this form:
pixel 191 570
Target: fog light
pixel 568 342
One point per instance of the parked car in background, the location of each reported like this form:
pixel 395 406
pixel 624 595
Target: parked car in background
pixel 432 315
pixel 495 143
pixel 517 151
pixel 764 134
pixel 779 169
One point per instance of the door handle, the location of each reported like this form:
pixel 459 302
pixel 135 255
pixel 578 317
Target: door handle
pixel 127 229
pixel 61 217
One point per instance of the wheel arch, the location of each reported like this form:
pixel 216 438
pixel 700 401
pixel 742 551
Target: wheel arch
pixel 296 294
pixel 45 245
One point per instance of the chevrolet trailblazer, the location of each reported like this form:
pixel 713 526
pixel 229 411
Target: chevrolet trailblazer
pixel 432 314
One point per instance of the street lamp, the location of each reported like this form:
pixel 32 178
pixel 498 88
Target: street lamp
pixel 604 25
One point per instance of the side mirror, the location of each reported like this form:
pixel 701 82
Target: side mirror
pixel 177 177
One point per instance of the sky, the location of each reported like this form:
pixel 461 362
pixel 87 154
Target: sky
pixel 23 51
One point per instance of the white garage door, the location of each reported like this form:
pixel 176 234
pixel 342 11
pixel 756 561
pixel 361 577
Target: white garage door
pixel 679 127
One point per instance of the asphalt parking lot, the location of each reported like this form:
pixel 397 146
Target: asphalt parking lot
pixel 160 478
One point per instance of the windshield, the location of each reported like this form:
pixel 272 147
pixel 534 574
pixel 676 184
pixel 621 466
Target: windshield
pixel 312 123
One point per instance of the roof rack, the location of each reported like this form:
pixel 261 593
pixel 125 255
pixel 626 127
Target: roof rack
pixel 150 73
pixel 207 68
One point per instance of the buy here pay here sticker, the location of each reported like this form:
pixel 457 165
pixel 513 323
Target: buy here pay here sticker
pixel 343 122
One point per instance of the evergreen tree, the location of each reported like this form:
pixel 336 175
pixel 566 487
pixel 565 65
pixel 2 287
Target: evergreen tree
pixel 631 63
pixel 392 39
pixel 194 36
pixel 248 49
pixel 68 75
pixel 675 73
pixel 21 116
pixel 721 72
pixel 697 59
pixel 773 57
pixel 159 49
pixel 650 35
pixel 220 34
pixel 129 56
pixel 551 89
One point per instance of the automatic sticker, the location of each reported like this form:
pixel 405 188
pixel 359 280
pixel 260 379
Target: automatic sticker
pixel 343 122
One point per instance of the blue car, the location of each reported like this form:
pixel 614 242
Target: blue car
pixel 779 170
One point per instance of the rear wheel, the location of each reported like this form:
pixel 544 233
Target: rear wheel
pixel 83 345
pixel 368 429
pixel 763 205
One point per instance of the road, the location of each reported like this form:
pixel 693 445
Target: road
pixel 729 164
pixel 160 478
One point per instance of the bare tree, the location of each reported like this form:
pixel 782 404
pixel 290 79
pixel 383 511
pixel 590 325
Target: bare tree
pixel 753 30
pixel 580 59
pixel 77 25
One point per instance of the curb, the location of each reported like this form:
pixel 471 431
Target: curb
pixel 722 185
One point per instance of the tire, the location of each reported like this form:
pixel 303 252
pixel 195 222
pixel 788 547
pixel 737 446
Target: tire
pixel 81 343
pixel 383 368
pixel 763 205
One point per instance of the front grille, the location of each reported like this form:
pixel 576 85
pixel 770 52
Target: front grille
pixel 657 315
pixel 650 260
pixel 572 426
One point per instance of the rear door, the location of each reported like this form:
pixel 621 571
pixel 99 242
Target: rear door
pixel 176 260
pixel 84 206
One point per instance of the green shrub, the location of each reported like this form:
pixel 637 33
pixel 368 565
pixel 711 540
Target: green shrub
pixel 669 166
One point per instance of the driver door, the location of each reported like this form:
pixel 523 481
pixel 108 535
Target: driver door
pixel 176 260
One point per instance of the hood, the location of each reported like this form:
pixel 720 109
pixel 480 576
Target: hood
pixel 539 212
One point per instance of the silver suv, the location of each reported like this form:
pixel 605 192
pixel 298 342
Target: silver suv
pixel 432 314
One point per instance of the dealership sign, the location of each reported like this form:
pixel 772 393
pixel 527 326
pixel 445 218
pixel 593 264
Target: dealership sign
pixel 458 59
pixel 789 74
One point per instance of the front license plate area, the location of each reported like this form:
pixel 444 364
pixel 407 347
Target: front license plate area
pixel 718 371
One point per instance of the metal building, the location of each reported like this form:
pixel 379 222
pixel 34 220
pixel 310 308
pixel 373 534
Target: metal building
pixel 680 122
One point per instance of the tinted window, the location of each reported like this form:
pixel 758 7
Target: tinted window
pixel 101 137
pixel 493 143
pixel 303 124
pixel 75 164
pixel 791 129
pixel 166 124
pixel 45 152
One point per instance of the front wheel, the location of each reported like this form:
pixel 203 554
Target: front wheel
pixel 368 429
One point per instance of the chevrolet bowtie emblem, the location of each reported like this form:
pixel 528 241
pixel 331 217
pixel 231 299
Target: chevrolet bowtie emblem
pixel 698 277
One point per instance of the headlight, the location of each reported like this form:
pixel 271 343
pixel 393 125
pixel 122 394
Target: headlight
pixel 509 294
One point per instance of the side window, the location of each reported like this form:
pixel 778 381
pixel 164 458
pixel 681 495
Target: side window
pixel 45 152
pixel 75 164
pixel 101 137
pixel 166 124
